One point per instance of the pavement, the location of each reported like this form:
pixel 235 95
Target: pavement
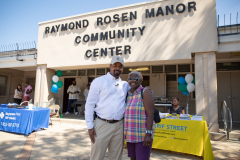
pixel 71 141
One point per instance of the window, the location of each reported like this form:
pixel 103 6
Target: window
pixel 228 66
pixel 91 72
pixel 171 77
pixel 143 70
pixel 170 69
pixel 101 71
pixel 146 81
pixel 184 68
pixel 108 70
pixel 181 75
pixel 126 70
pixel 70 73
pixel 157 69
pixel 193 67
pixel 81 72
pixel 3 85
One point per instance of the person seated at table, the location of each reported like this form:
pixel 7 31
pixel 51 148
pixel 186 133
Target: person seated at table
pixel 139 114
pixel 175 108
pixel 18 94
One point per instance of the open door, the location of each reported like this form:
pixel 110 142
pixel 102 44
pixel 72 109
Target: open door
pixel 67 83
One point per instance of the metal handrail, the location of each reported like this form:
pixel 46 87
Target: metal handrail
pixel 30 101
pixel 48 103
pixel 226 117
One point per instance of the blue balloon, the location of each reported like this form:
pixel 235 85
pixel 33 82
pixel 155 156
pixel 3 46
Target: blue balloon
pixel 55 87
pixel 185 93
pixel 54 91
pixel 181 80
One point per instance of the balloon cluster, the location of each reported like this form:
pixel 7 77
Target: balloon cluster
pixel 187 84
pixel 56 83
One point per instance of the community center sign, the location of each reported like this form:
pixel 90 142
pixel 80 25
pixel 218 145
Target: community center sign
pixel 125 33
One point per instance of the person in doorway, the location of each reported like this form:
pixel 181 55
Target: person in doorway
pixel 85 93
pixel 175 108
pixel 139 125
pixel 18 94
pixel 108 94
pixel 73 92
pixel 27 93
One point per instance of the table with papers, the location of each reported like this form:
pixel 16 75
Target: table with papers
pixel 186 136
pixel 23 121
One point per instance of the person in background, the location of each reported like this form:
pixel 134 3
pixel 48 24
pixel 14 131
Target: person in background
pixel 27 92
pixel 18 94
pixel 139 125
pixel 85 93
pixel 175 108
pixel 73 92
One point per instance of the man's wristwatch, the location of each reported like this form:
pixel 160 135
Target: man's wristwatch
pixel 149 132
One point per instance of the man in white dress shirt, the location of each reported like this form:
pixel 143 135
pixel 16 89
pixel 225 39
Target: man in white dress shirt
pixel 73 92
pixel 108 94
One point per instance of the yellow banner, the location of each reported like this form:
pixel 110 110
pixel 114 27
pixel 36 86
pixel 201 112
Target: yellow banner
pixel 186 136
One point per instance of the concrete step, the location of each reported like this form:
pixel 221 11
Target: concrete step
pixel 234 134
pixel 214 136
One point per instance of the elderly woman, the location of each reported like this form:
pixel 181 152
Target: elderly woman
pixel 139 114
pixel 175 108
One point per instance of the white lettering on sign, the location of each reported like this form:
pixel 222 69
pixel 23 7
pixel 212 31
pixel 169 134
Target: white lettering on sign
pixel 10 114
pixel 12 118
pixel 10 124
pixel 18 114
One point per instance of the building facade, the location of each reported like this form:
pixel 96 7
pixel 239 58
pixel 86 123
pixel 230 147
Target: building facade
pixel 162 39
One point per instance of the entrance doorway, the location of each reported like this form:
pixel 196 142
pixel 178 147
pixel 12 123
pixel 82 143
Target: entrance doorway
pixel 67 83
pixel 229 90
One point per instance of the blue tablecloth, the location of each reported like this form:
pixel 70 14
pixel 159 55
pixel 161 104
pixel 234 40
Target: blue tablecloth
pixel 23 121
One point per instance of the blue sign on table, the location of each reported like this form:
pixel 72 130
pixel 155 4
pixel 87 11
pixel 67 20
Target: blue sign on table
pixel 23 121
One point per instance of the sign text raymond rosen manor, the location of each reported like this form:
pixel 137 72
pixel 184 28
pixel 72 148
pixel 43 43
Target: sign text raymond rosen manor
pixel 120 33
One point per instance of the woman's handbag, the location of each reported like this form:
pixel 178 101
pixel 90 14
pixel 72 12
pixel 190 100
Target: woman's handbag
pixel 157 118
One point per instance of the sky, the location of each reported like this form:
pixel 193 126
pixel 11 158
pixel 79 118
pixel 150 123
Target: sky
pixel 19 18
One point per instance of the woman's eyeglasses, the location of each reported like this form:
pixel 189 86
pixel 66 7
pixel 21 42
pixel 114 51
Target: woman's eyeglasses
pixel 133 79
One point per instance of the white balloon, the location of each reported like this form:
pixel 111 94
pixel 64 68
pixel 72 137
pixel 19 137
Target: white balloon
pixel 190 87
pixel 55 78
pixel 189 78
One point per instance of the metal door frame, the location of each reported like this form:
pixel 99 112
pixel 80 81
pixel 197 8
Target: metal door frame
pixel 230 106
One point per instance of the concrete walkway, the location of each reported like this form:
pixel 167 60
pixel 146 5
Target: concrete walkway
pixel 67 141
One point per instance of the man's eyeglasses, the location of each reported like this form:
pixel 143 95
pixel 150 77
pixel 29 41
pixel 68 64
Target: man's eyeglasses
pixel 133 79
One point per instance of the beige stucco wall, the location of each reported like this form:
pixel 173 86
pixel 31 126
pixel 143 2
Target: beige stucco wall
pixel 168 37
pixel 43 85
pixel 48 85
pixel 15 77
